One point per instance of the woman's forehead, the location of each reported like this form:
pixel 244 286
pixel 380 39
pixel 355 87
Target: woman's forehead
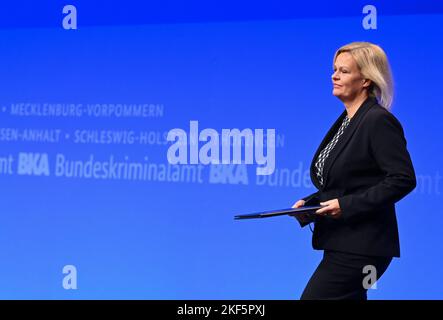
pixel 345 59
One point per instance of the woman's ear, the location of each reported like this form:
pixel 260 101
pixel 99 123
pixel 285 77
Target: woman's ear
pixel 366 83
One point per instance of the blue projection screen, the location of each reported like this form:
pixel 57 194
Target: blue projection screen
pixel 84 118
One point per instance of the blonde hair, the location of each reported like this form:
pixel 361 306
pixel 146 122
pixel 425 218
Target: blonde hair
pixel 373 64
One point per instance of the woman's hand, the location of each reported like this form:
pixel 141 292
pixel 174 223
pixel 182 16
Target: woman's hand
pixel 331 209
pixel 302 218
pixel 299 203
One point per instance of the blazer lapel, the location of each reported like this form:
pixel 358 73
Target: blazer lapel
pixel 341 143
pixel 325 141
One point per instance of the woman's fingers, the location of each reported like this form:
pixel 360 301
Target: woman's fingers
pixel 331 207
pixel 328 207
pixel 322 211
pixel 298 204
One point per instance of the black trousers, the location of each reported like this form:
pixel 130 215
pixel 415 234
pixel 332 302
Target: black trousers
pixel 341 275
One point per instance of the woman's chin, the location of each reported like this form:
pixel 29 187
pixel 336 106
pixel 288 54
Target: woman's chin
pixel 336 93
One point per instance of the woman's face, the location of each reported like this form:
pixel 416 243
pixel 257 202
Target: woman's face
pixel 347 80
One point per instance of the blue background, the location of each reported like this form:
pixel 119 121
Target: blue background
pixel 227 65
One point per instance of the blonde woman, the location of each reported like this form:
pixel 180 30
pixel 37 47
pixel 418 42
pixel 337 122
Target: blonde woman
pixel 361 169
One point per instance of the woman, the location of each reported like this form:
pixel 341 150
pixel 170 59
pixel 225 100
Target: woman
pixel 361 169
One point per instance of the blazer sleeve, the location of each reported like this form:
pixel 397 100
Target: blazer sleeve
pixel 310 200
pixel 388 146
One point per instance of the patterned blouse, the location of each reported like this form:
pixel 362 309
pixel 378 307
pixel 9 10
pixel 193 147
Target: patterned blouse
pixel 319 164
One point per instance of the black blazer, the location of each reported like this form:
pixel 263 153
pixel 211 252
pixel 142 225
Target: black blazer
pixel 368 170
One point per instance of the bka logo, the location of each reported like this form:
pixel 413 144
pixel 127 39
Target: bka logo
pixel 228 174
pixel 34 164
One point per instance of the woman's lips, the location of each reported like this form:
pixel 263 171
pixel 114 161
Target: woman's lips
pixel 337 85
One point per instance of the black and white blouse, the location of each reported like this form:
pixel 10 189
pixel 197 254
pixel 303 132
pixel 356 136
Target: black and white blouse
pixel 319 164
